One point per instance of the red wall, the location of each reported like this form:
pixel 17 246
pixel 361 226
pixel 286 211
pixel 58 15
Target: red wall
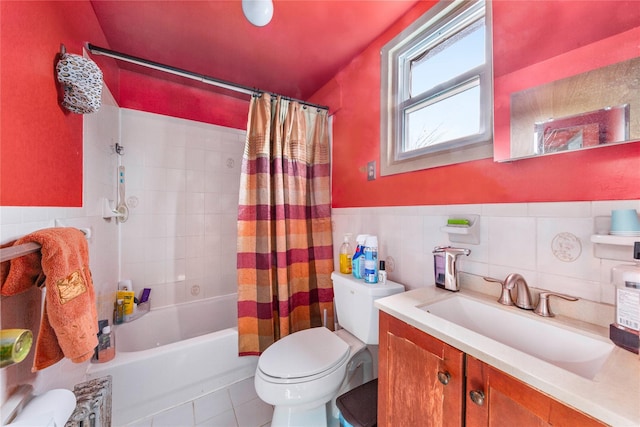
pixel 41 155
pixel 354 96
pixel 163 96
pixel 40 142
pixel 611 50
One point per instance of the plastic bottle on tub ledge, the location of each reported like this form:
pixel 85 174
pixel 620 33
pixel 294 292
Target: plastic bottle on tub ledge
pixel 371 260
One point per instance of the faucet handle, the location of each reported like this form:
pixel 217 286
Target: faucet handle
pixel 505 296
pixel 543 308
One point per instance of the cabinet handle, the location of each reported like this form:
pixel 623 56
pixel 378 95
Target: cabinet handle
pixel 477 397
pixel 444 377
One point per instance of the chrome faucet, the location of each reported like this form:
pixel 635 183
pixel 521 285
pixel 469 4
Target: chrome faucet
pixel 449 278
pixel 523 296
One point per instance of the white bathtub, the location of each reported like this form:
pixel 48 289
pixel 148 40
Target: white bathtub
pixel 173 355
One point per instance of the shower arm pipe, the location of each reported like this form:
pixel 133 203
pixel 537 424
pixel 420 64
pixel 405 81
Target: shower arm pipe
pixel 189 74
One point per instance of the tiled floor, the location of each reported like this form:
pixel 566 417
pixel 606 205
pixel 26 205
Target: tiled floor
pixel 235 406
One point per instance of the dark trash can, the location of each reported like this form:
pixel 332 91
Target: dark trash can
pixel 359 407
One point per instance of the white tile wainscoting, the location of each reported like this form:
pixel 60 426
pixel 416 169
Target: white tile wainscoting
pixel 548 243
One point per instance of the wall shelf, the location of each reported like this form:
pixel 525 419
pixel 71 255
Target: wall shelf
pixel 618 248
pixel 607 239
pixel 608 246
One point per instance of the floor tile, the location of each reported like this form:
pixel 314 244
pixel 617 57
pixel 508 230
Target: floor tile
pixel 254 413
pixel 212 404
pixel 242 392
pixel 142 423
pixel 179 416
pixel 225 419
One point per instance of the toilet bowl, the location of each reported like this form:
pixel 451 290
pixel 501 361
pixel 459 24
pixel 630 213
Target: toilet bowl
pixel 302 374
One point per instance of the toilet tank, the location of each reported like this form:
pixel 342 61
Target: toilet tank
pixel 354 304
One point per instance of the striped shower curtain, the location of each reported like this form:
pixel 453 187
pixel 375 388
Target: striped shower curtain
pixel 285 248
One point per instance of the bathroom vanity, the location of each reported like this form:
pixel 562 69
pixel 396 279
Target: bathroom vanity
pixel 431 368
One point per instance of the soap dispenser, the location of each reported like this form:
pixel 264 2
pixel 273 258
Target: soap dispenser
pixel 625 331
pixel 444 262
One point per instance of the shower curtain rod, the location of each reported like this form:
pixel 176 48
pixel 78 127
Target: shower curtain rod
pixel 190 75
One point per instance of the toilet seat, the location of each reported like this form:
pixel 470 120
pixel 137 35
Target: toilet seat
pixel 303 356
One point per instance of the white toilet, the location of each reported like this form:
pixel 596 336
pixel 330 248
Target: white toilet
pixel 303 373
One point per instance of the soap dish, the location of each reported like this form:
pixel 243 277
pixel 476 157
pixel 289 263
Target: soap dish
pixel 460 232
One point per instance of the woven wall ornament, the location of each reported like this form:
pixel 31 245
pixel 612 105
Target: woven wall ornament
pixel 82 82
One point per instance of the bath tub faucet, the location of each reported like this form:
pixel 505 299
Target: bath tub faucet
pixel 523 296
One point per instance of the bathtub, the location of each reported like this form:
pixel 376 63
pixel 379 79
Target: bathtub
pixel 173 355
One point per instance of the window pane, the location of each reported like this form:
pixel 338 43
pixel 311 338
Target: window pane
pixel 450 58
pixel 434 123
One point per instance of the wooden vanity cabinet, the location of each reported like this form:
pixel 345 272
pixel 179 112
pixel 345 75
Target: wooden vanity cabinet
pixel 420 378
pixel 413 367
pixel 494 398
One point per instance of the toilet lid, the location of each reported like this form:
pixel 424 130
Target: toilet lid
pixel 303 354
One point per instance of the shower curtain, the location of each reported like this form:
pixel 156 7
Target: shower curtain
pixel 285 248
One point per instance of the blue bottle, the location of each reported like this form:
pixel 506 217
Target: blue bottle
pixel 371 260
pixel 357 261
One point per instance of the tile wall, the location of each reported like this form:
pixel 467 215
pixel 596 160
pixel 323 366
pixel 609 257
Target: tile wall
pixel 548 243
pixel 182 181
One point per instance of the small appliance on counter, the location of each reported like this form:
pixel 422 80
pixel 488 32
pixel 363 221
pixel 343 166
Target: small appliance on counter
pixel 444 264
pixel 625 331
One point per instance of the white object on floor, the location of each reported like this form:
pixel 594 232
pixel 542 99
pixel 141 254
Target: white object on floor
pixel 50 409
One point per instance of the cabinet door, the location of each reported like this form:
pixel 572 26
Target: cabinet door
pixel 494 398
pixel 420 378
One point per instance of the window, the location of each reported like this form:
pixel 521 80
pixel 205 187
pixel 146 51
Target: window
pixel 436 90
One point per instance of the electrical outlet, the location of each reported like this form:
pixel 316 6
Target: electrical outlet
pixel 371 170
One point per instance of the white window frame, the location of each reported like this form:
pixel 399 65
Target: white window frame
pixel 395 79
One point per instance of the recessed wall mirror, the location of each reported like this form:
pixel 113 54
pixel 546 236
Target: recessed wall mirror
pixel 588 110
pixel 557 91
pixel 609 125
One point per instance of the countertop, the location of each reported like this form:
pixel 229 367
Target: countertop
pixel 612 396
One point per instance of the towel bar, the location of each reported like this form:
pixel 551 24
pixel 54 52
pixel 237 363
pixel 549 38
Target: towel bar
pixel 18 251
pixel 11 252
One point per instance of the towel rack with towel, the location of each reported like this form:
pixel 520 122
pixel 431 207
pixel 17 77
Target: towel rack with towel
pixel 11 252
pixel 69 325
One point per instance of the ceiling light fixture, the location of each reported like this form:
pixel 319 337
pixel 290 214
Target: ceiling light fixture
pixel 258 12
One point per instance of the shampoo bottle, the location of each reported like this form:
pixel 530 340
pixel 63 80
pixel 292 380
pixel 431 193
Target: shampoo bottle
pixel 128 302
pixel 345 255
pixel 119 312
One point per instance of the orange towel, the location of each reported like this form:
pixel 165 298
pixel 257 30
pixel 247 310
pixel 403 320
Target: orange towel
pixel 69 324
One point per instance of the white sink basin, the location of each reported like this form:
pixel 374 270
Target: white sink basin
pixel 578 353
